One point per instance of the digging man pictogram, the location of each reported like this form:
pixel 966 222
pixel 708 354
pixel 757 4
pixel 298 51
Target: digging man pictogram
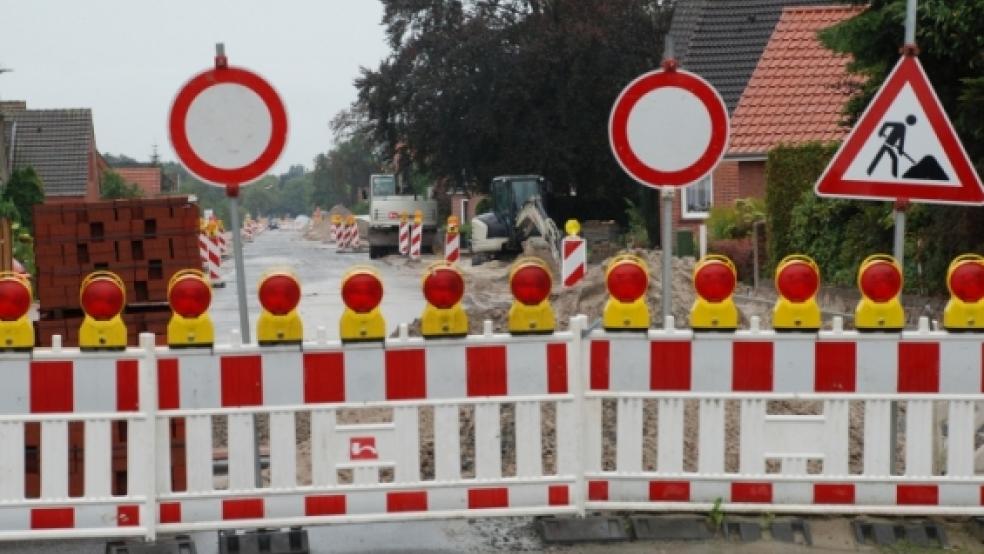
pixel 894 134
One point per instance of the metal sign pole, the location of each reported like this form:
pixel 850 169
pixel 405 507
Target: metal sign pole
pixel 232 192
pixel 666 228
pixel 898 248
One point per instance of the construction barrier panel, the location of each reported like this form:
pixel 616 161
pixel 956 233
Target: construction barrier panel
pixel 561 422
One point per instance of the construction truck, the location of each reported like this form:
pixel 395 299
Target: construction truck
pixel 387 200
pixel 518 213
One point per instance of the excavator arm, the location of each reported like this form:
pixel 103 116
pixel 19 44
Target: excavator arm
pixel 532 220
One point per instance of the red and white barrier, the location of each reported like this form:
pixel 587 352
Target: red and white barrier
pixel 214 261
pixel 203 250
pixel 452 247
pixel 575 259
pixel 416 237
pixel 404 237
pixel 652 380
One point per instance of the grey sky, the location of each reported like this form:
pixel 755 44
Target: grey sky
pixel 126 59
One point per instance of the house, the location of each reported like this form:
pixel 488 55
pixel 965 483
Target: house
pixel 59 144
pixel 147 178
pixel 778 82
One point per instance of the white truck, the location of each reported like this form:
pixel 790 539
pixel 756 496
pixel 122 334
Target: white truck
pixel 386 203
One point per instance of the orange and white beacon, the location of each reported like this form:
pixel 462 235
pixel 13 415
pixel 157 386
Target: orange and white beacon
pixel 362 292
pixel 797 282
pixel 531 283
pixel 16 331
pixel 279 323
pixel 965 280
pixel 880 282
pixel 627 280
pixel 715 278
pixel 103 297
pixel 443 315
pixel 190 295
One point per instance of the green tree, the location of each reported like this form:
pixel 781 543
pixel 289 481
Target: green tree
pixel 484 88
pixel 24 189
pixel 114 186
pixel 950 37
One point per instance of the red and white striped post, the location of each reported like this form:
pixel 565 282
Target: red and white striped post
pixel 335 220
pixel 353 233
pixel 214 261
pixel 574 253
pixel 452 241
pixel 416 232
pixel 203 250
pixel 404 233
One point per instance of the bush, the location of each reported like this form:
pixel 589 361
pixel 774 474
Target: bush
pixel 790 172
pixel 484 206
pixel 735 222
pixel 637 235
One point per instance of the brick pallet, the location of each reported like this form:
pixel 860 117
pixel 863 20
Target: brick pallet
pixel 144 241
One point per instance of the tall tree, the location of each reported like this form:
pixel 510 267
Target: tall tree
pixel 484 88
pixel 24 189
pixel 950 38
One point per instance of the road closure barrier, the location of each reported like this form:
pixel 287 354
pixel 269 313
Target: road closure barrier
pixel 565 421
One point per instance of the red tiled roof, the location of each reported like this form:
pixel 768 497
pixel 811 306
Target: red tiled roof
pixel 147 178
pixel 799 87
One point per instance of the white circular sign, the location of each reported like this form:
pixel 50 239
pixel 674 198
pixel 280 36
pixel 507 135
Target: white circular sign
pixel 669 128
pixel 228 125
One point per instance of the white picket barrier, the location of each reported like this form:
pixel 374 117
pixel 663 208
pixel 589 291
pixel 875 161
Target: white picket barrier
pixel 497 425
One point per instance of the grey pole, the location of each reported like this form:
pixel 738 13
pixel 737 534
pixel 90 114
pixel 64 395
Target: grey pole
pixel 910 22
pixel 666 228
pixel 237 247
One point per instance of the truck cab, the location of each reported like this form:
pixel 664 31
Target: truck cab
pixel 386 202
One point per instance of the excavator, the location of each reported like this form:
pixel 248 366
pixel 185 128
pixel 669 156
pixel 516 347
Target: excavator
pixel 518 213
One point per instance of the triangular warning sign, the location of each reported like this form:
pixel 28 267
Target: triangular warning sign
pixel 903 147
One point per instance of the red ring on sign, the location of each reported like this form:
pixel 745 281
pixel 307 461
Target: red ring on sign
pixel 219 175
pixel 618 125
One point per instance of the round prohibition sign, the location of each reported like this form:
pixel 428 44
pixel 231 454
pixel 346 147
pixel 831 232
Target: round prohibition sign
pixel 228 126
pixel 668 128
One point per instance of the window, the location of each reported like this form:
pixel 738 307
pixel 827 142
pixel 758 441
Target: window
pixel 697 199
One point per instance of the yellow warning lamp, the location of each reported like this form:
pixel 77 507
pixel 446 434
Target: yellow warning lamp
pixel 627 280
pixel 443 316
pixel 16 331
pixel 715 278
pixel 404 217
pixel 531 312
pixel 362 291
pixel 965 279
pixel 103 297
pixel 572 227
pixel 880 281
pixel 189 294
pixel 279 323
pixel 452 224
pixel 418 217
pixel 336 219
pixel 797 281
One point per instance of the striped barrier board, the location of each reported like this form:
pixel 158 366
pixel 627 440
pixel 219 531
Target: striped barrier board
pixel 416 236
pixel 591 420
pixel 574 263
pixel 452 248
pixel 404 237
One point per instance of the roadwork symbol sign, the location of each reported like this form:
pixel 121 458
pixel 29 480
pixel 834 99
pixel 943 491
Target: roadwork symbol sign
pixel 903 148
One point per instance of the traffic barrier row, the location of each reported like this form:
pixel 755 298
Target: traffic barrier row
pixel 491 424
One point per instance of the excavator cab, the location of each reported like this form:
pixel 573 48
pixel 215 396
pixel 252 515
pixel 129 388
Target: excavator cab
pixel 518 212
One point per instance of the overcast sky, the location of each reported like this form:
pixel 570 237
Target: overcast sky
pixel 126 59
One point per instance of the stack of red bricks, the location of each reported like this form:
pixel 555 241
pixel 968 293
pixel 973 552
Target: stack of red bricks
pixel 144 241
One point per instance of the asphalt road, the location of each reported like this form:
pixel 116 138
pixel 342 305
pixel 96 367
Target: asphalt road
pixel 319 269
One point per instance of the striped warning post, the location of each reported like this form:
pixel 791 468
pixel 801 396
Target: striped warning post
pixel 214 262
pixel 452 247
pixel 416 232
pixel 333 232
pixel 404 236
pixel 574 264
pixel 203 250
pixel 353 238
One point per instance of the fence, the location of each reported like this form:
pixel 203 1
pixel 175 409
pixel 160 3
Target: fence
pixel 490 425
